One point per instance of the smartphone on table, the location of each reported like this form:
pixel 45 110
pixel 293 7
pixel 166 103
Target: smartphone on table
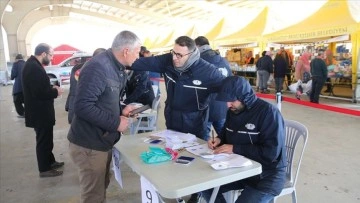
pixel 186 160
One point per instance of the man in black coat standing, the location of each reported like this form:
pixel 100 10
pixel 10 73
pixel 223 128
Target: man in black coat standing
pixel 17 88
pixel 39 112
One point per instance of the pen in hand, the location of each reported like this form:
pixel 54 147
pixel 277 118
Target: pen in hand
pixel 213 136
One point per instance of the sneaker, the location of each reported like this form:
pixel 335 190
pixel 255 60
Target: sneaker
pixel 195 198
pixel 50 173
pixel 57 165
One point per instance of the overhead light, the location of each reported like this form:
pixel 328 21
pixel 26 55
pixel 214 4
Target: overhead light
pixel 8 8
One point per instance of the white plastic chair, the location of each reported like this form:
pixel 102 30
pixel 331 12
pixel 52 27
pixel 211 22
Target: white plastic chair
pixel 294 131
pixel 149 124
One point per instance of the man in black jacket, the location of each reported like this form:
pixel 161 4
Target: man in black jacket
pixel 39 112
pixel 18 95
pixel 75 72
pixel 99 118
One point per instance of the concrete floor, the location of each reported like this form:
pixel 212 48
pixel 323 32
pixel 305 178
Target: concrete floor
pixel 330 170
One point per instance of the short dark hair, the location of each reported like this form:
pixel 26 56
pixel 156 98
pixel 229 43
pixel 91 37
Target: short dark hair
pixel 263 53
pixel 98 51
pixel 186 41
pixel 201 40
pixel 41 48
pixel 19 56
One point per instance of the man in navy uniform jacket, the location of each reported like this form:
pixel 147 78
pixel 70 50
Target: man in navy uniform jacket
pixel 255 129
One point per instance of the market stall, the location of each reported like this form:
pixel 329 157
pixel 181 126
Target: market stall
pixel 243 45
pixel 332 20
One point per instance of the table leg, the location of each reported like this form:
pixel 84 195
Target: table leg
pixel 214 194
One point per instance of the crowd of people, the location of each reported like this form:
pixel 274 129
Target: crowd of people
pixel 310 74
pixel 201 94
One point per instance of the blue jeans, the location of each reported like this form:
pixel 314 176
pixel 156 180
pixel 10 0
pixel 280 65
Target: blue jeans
pixel 218 125
pixel 248 195
pixel 279 82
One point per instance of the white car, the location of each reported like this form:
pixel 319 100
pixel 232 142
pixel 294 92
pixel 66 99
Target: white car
pixel 60 74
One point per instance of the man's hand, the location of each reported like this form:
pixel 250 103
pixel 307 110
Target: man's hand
pixel 124 123
pixel 213 143
pixel 59 90
pixel 226 148
pixel 127 109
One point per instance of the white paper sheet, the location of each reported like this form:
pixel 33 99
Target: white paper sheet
pixel 148 192
pixel 177 140
pixel 230 161
pixel 116 166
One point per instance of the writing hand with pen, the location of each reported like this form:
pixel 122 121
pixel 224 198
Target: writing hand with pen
pixel 214 142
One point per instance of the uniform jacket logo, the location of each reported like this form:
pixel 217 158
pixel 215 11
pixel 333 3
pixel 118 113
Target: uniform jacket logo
pixel 224 71
pixel 196 82
pixel 250 126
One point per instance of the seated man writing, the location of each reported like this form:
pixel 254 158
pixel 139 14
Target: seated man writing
pixel 255 129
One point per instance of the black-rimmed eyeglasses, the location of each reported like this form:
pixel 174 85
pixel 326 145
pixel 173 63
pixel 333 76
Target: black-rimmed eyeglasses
pixel 49 54
pixel 178 55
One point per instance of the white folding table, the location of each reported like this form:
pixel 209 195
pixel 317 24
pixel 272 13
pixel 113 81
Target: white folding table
pixel 175 180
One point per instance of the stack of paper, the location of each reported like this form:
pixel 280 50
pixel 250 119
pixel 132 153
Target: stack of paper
pixel 177 140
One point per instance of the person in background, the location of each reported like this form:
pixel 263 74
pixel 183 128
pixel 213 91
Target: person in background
pixel 139 88
pixel 217 109
pixel 289 62
pixel 249 59
pixel 257 64
pixel 329 60
pixel 255 129
pixel 319 74
pixel 189 82
pixel 18 96
pixel 154 76
pixel 99 118
pixel 302 72
pixel 74 77
pixel 266 67
pixel 280 67
pixel 39 108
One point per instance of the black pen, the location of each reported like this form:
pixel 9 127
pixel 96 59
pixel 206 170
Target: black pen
pixel 213 136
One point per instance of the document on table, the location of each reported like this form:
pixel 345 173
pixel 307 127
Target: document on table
pixel 230 161
pixel 177 140
pixel 219 161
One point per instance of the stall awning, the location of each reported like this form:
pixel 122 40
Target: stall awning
pixel 332 19
pixel 215 31
pixel 248 34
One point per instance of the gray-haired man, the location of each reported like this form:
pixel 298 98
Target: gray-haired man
pixel 99 119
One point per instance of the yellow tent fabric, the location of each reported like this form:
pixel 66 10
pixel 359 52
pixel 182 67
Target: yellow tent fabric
pixel 164 42
pixel 215 31
pixel 248 34
pixel 147 42
pixel 332 19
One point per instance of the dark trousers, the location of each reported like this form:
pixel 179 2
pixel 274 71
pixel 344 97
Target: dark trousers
pixel 317 85
pixel 19 103
pixel 288 76
pixel 44 147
